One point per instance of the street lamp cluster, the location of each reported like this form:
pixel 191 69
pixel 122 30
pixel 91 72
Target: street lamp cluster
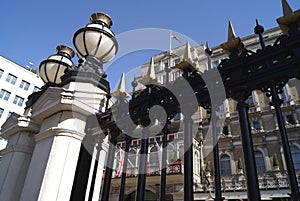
pixel 267 70
pixel 95 40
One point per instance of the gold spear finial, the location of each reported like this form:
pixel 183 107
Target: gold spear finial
pixel 121 90
pixel 286 8
pixel 150 77
pixel 289 17
pixel 151 70
pixel 187 52
pixel 231 33
pixel 187 59
pixel 234 43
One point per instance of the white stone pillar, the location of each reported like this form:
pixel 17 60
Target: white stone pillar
pixel 100 169
pixel 90 178
pixel 52 169
pixel 62 113
pixel 19 131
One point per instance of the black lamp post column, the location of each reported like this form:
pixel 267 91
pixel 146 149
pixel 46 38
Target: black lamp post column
pixel 123 176
pixel 164 165
pixel 276 102
pixel 188 159
pixel 250 165
pixel 140 192
pixel 109 167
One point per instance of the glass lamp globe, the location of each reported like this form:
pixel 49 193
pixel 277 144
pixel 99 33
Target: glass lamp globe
pixel 54 67
pixel 96 38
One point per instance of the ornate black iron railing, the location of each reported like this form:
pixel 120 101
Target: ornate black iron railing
pixel 268 69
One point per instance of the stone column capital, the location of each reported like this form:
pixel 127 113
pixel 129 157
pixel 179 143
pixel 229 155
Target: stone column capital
pixel 55 131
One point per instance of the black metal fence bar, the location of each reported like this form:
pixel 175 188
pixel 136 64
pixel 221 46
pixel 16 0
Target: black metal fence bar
pixel 250 166
pixel 188 160
pixel 141 184
pixel 276 102
pixel 124 168
pixel 109 169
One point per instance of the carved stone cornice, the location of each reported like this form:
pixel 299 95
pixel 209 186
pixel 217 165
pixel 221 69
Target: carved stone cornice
pixel 59 132
pixel 16 148
pixel 18 123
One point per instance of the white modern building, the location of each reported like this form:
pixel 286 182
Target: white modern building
pixel 16 84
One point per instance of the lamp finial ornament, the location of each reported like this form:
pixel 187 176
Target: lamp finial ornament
pixel 101 17
pixel 62 49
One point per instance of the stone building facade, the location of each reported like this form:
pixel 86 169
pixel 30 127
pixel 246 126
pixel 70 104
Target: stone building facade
pixel 269 156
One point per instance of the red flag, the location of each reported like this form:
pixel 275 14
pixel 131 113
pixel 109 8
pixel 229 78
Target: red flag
pixel 120 163
pixel 172 35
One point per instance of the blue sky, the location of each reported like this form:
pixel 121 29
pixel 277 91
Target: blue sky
pixel 31 29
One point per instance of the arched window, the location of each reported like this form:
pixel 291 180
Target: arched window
pixel 153 158
pixel 170 154
pixel 260 161
pixel 295 151
pixel 131 165
pixel 131 158
pixel 225 165
pixel 154 164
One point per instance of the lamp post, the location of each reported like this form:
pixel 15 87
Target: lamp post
pixel 241 73
pixel 95 44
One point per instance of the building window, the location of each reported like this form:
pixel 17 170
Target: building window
pixel 9 114
pixel 221 109
pixel 11 79
pixel 215 63
pixel 295 151
pixel 175 75
pixel 177 117
pixel 225 130
pixel 35 89
pixel 1 112
pixel 1 73
pixel 170 154
pixel 18 101
pixel 131 158
pixel 4 94
pixel 260 162
pixel 283 96
pixel 24 85
pixel 290 119
pixel 256 125
pixel 177 61
pixel 157 69
pixel 153 158
pixel 250 101
pixel 165 64
pixel 225 165
pixel 131 167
